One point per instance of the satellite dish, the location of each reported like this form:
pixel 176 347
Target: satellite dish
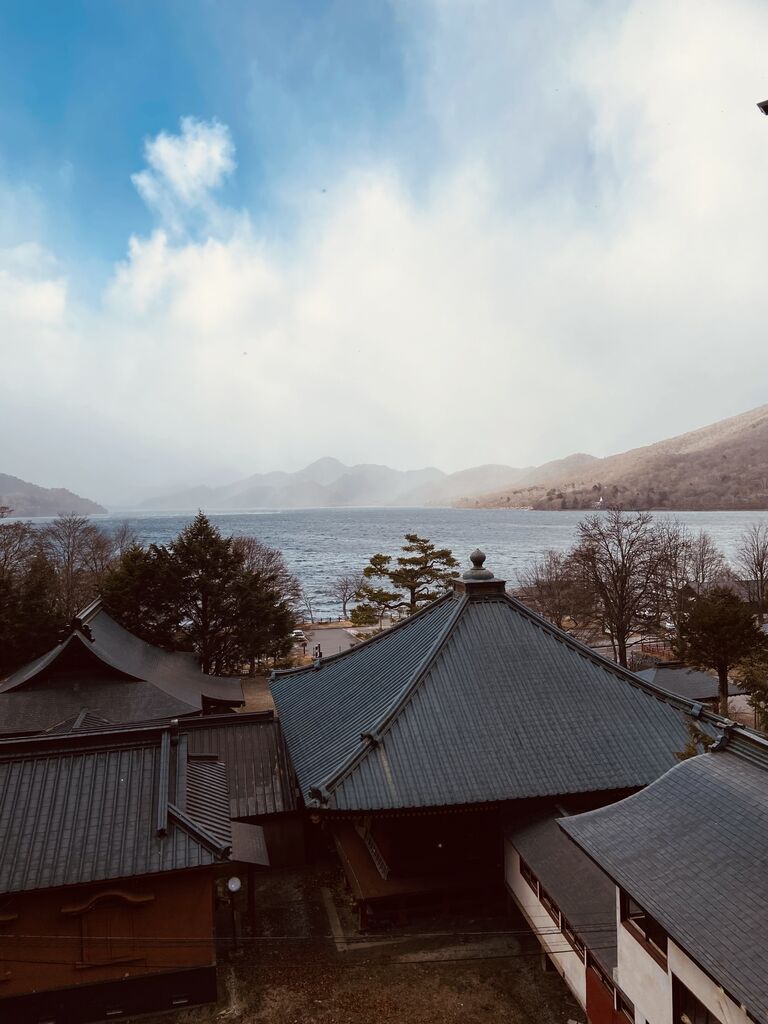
pixel 234 884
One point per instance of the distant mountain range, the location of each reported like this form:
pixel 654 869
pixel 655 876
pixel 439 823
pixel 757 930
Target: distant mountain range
pixel 29 500
pixel 722 466
pixel 329 483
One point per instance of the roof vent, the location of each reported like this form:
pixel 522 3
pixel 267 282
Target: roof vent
pixel 477 572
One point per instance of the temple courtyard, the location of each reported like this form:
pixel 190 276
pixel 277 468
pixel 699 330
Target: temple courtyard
pixel 308 964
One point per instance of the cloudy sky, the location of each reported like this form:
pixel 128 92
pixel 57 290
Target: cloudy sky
pixel 237 236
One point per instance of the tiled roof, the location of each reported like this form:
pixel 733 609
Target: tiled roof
pixel 103 667
pixel 85 808
pixel 692 849
pixel 686 681
pixel 474 699
pixel 43 708
pixel 583 893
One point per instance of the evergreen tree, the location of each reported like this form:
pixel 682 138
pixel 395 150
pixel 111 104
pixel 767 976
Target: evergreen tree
pixel 420 575
pixel 719 632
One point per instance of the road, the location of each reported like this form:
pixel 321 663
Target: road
pixel 331 640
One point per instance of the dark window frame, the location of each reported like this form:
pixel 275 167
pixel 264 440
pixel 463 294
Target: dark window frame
pixel 529 876
pixel 682 1000
pixel 644 928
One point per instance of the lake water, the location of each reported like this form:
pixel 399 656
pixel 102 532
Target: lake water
pixel 319 544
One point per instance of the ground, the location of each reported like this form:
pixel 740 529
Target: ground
pixel 307 964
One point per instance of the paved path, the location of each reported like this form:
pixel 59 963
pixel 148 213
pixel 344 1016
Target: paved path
pixel 331 640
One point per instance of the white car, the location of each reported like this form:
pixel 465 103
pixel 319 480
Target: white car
pixel 299 636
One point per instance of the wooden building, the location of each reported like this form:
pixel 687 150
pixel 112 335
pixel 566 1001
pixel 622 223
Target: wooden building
pixel 416 748
pixel 109 845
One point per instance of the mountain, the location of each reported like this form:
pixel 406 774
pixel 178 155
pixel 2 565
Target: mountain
pixel 720 466
pixel 28 500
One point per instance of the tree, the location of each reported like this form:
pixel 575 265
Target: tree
pixel 344 589
pixel 231 599
pixel 364 615
pixel 687 562
pixel 266 595
pixel 141 591
pixel 80 554
pixel 752 560
pixel 551 585
pixel 618 556
pixel 205 567
pixel 719 631
pixel 420 575
pixel 29 619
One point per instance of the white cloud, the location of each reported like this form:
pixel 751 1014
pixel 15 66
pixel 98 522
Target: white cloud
pixel 588 286
pixel 185 169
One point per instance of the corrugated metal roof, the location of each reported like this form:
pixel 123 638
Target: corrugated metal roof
pixel 692 850
pixel 474 699
pixel 323 711
pixel 253 750
pixel 76 809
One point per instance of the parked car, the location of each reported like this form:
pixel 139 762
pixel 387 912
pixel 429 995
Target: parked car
pixel 299 636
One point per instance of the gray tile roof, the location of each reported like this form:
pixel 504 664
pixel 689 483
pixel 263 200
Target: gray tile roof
pixel 685 681
pixel 85 808
pixel 581 890
pixel 46 706
pixel 692 849
pixel 102 667
pixel 474 699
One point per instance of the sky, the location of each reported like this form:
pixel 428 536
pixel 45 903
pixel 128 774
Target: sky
pixel 239 236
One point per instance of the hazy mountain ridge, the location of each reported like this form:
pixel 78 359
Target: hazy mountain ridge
pixel 329 483
pixel 29 500
pixel 718 467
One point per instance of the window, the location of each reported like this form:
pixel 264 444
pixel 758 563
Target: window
pixel 529 876
pixel 646 929
pixel 549 905
pixel 625 1007
pixel 573 940
pixel 687 1008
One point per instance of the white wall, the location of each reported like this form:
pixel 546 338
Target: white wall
pixel 649 986
pixel 568 963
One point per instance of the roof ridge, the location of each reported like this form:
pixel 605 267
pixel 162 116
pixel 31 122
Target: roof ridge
pixel 381 635
pixel 372 737
pixel 197 831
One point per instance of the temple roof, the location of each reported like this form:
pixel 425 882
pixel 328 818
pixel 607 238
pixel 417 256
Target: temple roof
pixel 474 699
pixel 691 850
pixel 102 667
pixel 85 808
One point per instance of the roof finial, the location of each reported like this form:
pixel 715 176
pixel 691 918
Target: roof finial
pixel 477 572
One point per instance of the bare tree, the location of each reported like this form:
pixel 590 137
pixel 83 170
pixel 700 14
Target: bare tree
pixel 269 564
pixel 306 601
pixel 344 589
pixel 79 553
pixel 551 585
pixel 752 560
pixel 618 553
pixel 688 563
pixel 123 538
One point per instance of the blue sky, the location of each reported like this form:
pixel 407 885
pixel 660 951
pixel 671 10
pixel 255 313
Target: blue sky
pixel 83 84
pixel 239 236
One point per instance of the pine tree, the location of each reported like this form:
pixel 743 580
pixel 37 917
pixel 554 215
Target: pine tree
pixel 420 575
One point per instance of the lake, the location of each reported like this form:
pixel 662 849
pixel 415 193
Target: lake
pixel 319 544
